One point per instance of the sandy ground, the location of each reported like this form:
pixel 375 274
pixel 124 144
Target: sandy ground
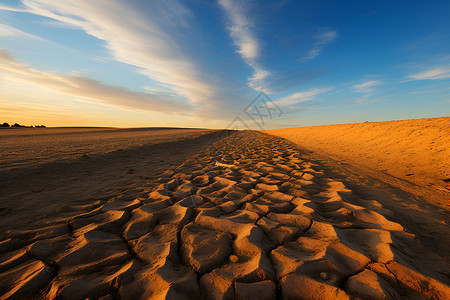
pixel 413 153
pixel 32 147
pixel 59 168
pixel 247 217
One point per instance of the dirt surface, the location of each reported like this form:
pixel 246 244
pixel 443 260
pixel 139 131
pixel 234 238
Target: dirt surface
pixel 81 166
pixel 32 147
pixel 249 217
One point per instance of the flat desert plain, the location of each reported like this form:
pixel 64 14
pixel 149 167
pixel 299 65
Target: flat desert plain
pixel 189 214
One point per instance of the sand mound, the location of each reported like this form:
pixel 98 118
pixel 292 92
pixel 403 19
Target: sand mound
pixel 415 151
pixel 263 223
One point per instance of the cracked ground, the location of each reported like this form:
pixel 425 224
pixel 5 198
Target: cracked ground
pixel 247 218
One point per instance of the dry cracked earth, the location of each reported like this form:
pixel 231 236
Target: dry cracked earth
pixel 246 219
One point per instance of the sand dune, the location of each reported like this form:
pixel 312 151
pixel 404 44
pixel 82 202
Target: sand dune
pixel 415 151
pixel 246 218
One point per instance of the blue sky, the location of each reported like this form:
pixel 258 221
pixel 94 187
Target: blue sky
pixel 200 63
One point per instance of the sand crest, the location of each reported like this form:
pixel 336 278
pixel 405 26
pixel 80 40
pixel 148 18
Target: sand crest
pixel 412 154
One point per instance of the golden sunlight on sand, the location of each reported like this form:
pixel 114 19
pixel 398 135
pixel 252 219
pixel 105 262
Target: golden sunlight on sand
pixel 415 151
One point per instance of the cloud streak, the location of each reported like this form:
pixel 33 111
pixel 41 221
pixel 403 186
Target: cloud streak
pixel 301 97
pixel 321 40
pixel 8 31
pixel 88 89
pixel 432 74
pixel 247 44
pixel 366 87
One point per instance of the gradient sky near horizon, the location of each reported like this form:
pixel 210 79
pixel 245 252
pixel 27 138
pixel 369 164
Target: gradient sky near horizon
pixel 200 63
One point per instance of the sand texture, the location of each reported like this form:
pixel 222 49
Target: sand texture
pixel 49 171
pixel 411 153
pixel 32 147
pixel 246 218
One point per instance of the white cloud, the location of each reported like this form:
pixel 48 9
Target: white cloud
pixel 301 97
pixel 8 8
pixel 321 40
pixel 366 87
pixel 433 74
pixel 247 44
pixel 8 31
pixel 88 89
pixel 138 34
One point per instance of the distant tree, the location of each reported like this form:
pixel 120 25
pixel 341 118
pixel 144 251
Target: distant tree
pixel 21 126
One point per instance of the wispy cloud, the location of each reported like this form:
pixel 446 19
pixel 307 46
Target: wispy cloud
pixel 8 31
pixel 144 40
pixel 301 97
pixel 432 74
pixel 367 100
pixel 367 86
pixel 9 8
pixel 88 89
pixel 320 40
pixel 247 44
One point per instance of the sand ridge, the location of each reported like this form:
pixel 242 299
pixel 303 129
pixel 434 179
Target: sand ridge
pixel 248 218
pixel 416 152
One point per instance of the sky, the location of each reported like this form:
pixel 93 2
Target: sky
pixel 222 64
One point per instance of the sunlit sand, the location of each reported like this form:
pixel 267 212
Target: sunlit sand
pixel 189 214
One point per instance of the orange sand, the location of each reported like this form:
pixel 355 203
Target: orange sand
pixel 416 151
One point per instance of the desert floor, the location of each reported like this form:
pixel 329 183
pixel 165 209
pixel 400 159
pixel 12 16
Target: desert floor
pixel 45 171
pixel 204 214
